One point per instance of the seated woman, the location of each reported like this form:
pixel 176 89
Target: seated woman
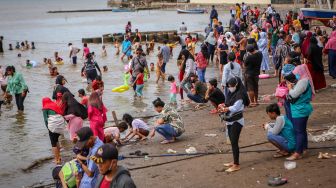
pixel 281 133
pixel 137 128
pixel 169 125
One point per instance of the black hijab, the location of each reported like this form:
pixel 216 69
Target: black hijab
pixel 239 93
pixel 72 106
pixel 315 55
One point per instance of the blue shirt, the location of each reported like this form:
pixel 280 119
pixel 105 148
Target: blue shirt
pixel 165 50
pixel 90 182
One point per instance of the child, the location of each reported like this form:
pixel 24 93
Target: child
pixel 152 68
pixel 139 82
pixel 33 45
pixel 214 95
pixel 105 68
pixel 57 58
pixel 17 45
pixel 117 46
pixel 53 71
pixel 104 53
pixel 112 134
pixel 86 50
pixel 137 128
pixel 84 98
pixel 159 73
pixel 147 49
pixel 173 90
pixel 98 84
pixel 10 47
pixel 281 133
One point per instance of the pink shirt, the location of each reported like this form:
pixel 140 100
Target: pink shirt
pixel 86 51
pixel 173 88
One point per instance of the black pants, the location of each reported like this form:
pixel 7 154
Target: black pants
pixel 53 138
pixel 19 99
pixel 234 133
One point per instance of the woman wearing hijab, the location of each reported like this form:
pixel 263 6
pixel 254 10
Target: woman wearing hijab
pixel 330 49
pixel 315 65
pixel 305 44
pixel 50 108
pixel 235 103
pixel 97 115
pixel 300 96
pixel 262 45
pixel 189 69
pixel 211 41
pixel 59 89
pixel 74 113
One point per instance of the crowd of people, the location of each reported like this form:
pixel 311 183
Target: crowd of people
pixel 255 41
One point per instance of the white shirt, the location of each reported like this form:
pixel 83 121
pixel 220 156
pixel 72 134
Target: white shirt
pixel 139 124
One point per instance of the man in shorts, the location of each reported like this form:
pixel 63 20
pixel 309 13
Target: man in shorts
pixel 73 53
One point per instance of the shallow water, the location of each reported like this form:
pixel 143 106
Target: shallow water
pixel 24 138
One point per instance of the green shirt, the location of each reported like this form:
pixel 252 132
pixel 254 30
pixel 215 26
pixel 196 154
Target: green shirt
pixel 16 84
pixel 170 116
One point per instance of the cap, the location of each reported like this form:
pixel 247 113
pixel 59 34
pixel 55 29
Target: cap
pixel 105 152
pixel 83 135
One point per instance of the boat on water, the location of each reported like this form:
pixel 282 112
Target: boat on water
pixel 320 14
pixel 191 11
pixel 123 10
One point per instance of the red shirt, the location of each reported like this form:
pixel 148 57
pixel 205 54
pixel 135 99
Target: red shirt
pixel 140 79
pixel 105 183
pixel 84 100
pixel 97 85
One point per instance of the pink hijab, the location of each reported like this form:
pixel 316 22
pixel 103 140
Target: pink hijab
pixel 331 44
pixel 303 71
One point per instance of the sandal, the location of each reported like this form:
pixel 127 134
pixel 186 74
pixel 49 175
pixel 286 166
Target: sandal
pixel 228 164
pixel 279 155
pixel 232 169
pixel 294 157
pixel 167 141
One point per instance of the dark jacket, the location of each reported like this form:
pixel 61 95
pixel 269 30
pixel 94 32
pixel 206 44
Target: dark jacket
pixel 213 14
pixel 122 179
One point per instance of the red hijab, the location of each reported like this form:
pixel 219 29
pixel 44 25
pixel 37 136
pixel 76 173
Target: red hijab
pixel 305 44
pixel 48 104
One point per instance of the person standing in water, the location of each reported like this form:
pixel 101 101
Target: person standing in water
pixel 97 115
pixel 16 86
pixel 50 108
pixel 126 48
pixel 73 53
pixel 1 45
pixel 90 68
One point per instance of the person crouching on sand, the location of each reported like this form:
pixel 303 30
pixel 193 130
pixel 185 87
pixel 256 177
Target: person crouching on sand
pixel 137 128
pixel 170 124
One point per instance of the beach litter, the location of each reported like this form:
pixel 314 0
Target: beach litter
pixel 277 181
pixel 210 135
pixel 324 155
pixel 191 150
pixel 171 151
pixel 325 136
pixel 289 165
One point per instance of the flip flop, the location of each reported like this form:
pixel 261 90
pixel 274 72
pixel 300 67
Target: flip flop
pixel 232 169
pixel 279 155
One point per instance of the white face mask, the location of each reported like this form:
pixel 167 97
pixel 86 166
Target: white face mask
pixel 232 89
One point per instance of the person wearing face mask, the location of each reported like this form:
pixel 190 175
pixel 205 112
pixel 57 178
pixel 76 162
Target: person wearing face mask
pixel 110 174
pixel 233 107
pixel 86 140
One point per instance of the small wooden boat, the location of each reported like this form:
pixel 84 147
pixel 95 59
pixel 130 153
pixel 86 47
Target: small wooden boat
pixel 191 11
pixel 123 10
pixel 322 15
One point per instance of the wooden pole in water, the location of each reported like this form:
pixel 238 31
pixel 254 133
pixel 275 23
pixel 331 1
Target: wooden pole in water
pixel 114 115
